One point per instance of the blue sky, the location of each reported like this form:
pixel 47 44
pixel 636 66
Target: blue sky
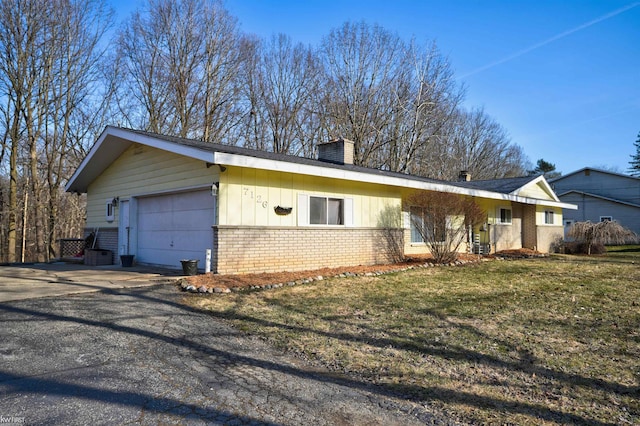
pixel 563 77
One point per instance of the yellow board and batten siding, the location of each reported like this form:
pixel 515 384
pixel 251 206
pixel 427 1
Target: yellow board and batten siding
pixel 535 190
pixel 247 197
pixel 159 172
pixel 540 215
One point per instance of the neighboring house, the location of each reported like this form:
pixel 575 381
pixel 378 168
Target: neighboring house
pixel 600 195
pixel 164 199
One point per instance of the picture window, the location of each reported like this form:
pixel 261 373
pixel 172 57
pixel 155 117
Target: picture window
pixel 326 211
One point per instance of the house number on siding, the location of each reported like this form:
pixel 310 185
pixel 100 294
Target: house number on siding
pixel 249 193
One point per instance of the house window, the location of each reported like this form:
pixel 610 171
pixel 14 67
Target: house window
pixel 326 211
pixel 109 211
pixel 606 218
pixel 435 230
pixel 504 216
pixel 417 220
pixel 548 217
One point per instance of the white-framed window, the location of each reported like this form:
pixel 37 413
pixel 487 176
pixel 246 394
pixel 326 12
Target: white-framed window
pixel 326 211
pixel 109 211
pixel 606 218
pixel 418 221
pixel 549 217
pixel 321 210
pixel 503 216
pixel 416 215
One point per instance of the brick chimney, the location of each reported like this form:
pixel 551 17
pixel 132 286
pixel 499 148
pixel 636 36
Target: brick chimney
pixel 464 176
pixel 338 151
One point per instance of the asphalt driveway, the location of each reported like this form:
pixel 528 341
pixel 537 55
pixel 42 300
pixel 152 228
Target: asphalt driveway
pixel 138 356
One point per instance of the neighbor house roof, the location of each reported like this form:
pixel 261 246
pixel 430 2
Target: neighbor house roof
pixel 600 197
pixel 595 170
pixel 115 140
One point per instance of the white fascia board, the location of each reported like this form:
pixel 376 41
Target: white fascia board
pixel 305 169
pixel 87 159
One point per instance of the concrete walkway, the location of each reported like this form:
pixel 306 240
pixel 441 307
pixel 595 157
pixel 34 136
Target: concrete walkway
pixel 30 281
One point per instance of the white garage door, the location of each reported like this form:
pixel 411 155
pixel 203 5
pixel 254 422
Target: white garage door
pixel 175 227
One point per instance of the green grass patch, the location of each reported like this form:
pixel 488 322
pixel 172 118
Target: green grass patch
pixel 536 341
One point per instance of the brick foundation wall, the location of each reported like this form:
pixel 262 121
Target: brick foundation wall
pixel 261 249
pixel 107 240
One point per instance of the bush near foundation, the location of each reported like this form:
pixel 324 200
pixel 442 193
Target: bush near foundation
pixel 580 247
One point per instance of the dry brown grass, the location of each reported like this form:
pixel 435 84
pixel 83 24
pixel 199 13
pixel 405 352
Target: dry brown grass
pixel 537 341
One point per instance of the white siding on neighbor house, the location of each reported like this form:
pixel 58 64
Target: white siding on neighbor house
pixel 142 170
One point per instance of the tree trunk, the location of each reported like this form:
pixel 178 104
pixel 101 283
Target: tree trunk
pixel 13 192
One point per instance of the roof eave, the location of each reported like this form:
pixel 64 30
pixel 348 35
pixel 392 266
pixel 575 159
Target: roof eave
pixel 111 144
pixel 228 159
pixel 114 141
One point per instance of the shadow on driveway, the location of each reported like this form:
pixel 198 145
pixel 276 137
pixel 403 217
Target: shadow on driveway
pixel 28 281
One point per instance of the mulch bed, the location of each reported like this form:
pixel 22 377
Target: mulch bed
pixel 243 281
pixel 262 279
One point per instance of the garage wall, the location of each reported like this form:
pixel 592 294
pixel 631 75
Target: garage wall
pixel 173 227
pixel 142 170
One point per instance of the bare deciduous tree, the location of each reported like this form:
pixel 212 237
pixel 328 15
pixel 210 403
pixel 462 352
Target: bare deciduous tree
pixel 280 82
pixel 47 67
pixel 178 62
pixel 425 99
pixel 443 220
pixel 475 142
pixel 362 62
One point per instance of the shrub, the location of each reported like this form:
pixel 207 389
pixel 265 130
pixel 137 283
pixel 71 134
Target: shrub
pixel 599 233
pixel 582 247
pixel 443 221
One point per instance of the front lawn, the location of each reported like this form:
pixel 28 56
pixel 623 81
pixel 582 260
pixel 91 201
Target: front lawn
pixel 537 341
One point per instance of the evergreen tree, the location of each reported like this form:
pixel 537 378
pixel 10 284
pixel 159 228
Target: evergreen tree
pixel 545 168
pixel 634 164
